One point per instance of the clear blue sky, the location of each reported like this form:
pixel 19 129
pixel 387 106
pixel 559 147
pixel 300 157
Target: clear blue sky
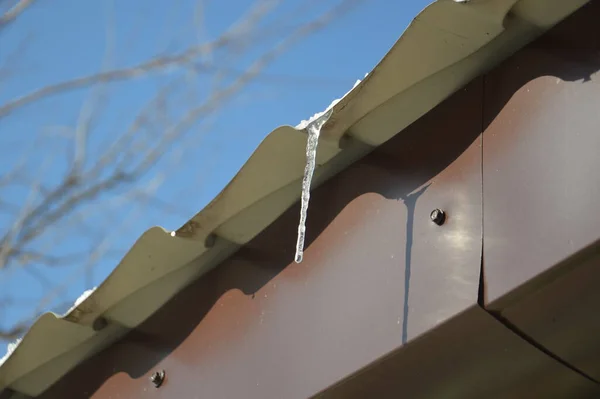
pixel 60 39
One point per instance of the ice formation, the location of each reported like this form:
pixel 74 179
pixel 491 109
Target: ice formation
pixel 314 130
pixel 313 125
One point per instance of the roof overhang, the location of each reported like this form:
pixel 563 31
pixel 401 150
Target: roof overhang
pixel 447 45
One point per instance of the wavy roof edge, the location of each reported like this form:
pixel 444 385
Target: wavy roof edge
pixel 447 45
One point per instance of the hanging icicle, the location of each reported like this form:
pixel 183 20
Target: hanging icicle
pixel 314 130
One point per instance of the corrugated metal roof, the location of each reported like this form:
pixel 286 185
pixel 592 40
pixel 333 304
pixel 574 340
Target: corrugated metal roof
pixel 447 45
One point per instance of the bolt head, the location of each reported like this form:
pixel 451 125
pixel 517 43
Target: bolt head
pixel 100 324
pixel 438 216
pixel 158 378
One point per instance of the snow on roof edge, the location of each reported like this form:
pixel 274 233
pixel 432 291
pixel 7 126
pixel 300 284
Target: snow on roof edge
pixel 305 122
pixel 11 346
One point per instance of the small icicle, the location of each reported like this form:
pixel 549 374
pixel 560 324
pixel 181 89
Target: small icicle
pixel 314 130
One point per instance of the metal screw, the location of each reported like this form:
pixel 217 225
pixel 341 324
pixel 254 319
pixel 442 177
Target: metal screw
pixel 158 378
pixel 438 216
pixel 100 324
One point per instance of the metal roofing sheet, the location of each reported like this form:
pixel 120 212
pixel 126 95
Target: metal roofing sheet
pixel 447 45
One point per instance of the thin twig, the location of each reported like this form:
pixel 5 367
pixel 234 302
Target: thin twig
pixel 116 173
pixel 12 14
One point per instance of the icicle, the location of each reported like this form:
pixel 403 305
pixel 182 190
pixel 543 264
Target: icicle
pixel 314 130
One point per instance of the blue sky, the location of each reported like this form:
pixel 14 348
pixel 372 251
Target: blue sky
pixel 58 40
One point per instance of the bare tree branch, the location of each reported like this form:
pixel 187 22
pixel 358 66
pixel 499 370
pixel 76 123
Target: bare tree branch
pixel 13 333
pixel 12 14
pixel 101 179
pixel 238 33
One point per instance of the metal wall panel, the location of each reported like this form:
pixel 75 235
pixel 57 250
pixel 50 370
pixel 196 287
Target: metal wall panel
pixel 473 356
pixel 542 189
pixel 541 162
pixel 562 316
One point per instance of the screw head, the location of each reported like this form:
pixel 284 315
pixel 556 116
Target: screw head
pixel 158 378
pixel 100 324
pixel 438 216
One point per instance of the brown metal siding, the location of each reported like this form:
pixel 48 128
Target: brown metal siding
pixel 542 190
pixel 472 357
pixel 542 154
